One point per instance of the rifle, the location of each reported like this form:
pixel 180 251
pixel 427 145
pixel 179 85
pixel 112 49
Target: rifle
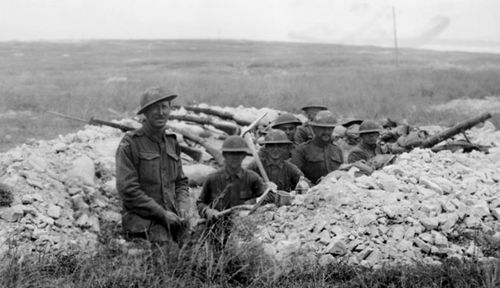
pixel 191 152
pixel 450 132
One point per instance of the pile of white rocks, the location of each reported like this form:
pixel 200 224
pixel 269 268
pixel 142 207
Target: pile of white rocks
pixel 417 210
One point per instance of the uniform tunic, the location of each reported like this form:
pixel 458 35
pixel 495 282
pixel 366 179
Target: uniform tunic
pixel 285 174
pixel 316 159
pixel 360 152
pixel 222 190
pixel 150 181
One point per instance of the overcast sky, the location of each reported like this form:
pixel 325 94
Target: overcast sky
pixel 463 24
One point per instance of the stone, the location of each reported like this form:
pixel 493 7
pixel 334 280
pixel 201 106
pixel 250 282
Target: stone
pixel 496 213
pixel 337 247
pixel 398 232
pixel 388 182
pixel 12 214
pixel 425 247
pixel 27 199
pixel 54 211
pixel 83 169
pixel 430 223
pixel 439 239
pixel 324 237
pixel 83 221
pixel 449 221
pixel 364 219
pixel 428 183
pixel 325 260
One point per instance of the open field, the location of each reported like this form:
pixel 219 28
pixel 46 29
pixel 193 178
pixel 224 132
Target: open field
pixel 87 78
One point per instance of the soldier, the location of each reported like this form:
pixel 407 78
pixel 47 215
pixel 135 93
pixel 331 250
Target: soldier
pixel 305 132
pixel 369 132
pixel 228 187
pixel 149 175
pixel 287 123
pixel 319 156
pixel 284 174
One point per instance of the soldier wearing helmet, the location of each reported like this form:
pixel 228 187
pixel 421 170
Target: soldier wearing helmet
pixel 287 123
pixel 149 175
pixel 274 155
pixel 305 132
pixel 319 156
pixel 369 132
pixel 230 186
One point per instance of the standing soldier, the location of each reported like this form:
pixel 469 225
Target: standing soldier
pixel 369 132
pixel 274 155
pixel 305 132
pixel 149 176
pixel 319 156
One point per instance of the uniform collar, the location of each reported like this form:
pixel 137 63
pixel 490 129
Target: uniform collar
pixel 318 142
pixel 155 135
pixel 238 175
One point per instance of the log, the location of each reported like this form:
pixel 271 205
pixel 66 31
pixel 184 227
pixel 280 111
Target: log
pixel 227 127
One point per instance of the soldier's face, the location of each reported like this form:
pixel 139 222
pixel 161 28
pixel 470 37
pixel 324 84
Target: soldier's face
pixel 370 138
pixel 289 130
pixel 323 133
pixel 276 151
pixel 233 160
pixel 157 114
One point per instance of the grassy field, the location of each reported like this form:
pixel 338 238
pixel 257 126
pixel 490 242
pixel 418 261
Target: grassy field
pixel 88 78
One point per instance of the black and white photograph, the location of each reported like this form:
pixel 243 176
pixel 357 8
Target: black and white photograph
pixel 249 143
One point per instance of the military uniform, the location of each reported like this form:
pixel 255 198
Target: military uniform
pixel 150 180
pixel 284 174
pixel 361 152
pixel 303 134
pixel 222 191
pixel 316 159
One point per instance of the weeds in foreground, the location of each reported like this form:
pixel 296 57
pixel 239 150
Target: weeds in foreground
pixel 241 263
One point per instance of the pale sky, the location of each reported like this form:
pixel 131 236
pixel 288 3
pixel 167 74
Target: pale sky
pixel 469 24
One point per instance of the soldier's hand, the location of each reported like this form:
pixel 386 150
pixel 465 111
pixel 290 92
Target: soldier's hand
pixel 171 219
pixel 212 215
pixel 272 186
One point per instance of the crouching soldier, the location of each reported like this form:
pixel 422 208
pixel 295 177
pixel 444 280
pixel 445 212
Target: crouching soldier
pixel 369 132
pixel 229 187
pixel 149 176
pixel 284 174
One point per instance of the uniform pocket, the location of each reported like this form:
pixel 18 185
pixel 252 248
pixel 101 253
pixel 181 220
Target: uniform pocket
pixel 149 166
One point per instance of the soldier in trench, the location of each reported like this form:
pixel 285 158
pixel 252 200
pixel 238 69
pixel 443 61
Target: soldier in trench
pixel 319 156
pixel 149 176
pixel 230 186
pixel 274 158
pixel 305 131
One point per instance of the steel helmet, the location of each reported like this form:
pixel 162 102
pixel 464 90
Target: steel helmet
pixel 235 144
pixel 276 136
pixel 369 126
pixel 287 118
pixel 314 107
pixel 154 95
pixel 324 119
